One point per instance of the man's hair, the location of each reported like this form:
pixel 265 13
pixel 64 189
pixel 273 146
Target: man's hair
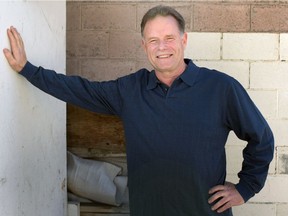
pixel 164 11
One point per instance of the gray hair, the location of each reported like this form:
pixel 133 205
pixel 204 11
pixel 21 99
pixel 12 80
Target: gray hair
pixel 164 11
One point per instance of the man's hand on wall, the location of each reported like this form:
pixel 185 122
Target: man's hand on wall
pixel 16 57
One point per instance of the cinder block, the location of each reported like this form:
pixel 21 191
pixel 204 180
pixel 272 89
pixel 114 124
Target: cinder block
pixel 234 148
pixel 255 209
pixel 72 67
pixel 269 75
pixel 275 190
pixel 282 157
pixel 269 18
pixel 203 46
pixel 233 140
pixel 237 69
pixel 279 128
pixel 250 46
pixel 232 178
pixel 282 209
pixel 234 159
pixel 283 104
pixel 101 70
pixel 124 45
pixel 284 47
pixel 266 101
pixel 73 16
pixel 221 17
pixel 87 44
pixel 109 16
pixel 143 63
pixel 272 166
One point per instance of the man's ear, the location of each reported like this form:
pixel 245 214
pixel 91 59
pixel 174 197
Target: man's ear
pixel 143 45
pixel 184 39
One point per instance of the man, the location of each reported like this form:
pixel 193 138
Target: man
pixel 176 119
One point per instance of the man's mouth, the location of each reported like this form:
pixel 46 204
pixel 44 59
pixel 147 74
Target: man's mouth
pixel 164 56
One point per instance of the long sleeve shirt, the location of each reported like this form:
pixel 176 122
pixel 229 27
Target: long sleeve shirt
pixel 176 136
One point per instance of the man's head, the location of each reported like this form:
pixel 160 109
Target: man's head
pixel 164 11
pixel 164 40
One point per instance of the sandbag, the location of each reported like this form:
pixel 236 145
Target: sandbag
pixel 96 180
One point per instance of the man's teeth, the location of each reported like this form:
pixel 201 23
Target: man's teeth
pixel 164 56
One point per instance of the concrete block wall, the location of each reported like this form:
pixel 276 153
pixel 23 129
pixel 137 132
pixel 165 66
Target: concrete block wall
pixel 255 60
pixel 245 39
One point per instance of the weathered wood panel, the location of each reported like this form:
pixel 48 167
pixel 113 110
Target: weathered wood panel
pixel 103 214
pixel 98 133
pixel 101 209
pixel 100 137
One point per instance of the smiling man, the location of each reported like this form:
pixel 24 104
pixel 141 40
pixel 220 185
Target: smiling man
pixel 176 117
pixel 164 44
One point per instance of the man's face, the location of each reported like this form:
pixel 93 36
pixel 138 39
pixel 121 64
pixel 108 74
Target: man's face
pixel 164 44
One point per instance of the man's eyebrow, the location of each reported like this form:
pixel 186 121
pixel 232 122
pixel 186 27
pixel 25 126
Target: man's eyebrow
pixel 170 35
pixel 150 38
pixel 155 37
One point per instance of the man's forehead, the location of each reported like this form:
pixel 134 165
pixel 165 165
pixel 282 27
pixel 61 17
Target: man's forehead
pixel 162 18
pixel 161 24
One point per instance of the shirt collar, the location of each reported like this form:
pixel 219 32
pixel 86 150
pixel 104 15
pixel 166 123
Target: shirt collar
pixel 191 72
pixel 188 76
pixel 152 80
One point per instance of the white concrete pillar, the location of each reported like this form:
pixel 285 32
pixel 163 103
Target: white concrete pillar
pixel 32 124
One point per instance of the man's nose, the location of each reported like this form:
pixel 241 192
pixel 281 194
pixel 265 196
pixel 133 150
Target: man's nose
pixel 162 44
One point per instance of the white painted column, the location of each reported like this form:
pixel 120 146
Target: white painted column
pixel 32 124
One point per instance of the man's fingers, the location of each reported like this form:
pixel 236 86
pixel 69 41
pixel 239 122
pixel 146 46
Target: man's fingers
pixel 8 55
pixel 216 188
pixel 223 208
pixel 217 192
pixel 220 200
pixel 17 36
pixel 16 40
pixel 16 57
pixel 10 58
pixel 224 197
pixel 12 39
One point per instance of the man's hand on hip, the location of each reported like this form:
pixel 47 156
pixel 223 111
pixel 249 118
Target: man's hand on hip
pixel 224 197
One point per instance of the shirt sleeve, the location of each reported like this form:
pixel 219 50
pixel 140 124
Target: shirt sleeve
pixel 101 97
pixel 248 124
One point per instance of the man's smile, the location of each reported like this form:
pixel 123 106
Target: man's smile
pixel 164 56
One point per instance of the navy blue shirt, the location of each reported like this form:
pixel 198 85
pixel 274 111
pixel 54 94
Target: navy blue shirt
pixel 175 137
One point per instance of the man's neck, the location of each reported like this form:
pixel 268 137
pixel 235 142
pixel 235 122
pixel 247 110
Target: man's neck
pixel 168 77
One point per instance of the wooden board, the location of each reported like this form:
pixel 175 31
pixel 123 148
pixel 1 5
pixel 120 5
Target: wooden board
pixel 102 134
pixel 100 137
pixel 102 208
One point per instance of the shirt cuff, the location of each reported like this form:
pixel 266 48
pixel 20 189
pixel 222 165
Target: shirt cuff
pixel 28 70
pixel 245 191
